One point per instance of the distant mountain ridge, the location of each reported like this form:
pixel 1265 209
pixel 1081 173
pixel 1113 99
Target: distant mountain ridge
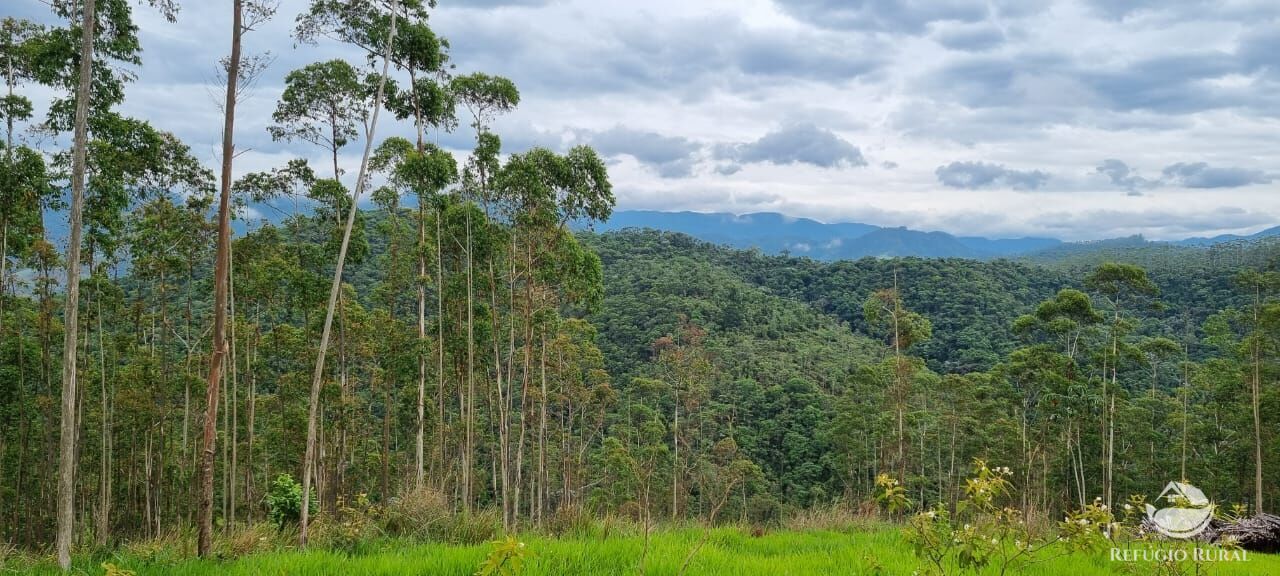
pixel 775 233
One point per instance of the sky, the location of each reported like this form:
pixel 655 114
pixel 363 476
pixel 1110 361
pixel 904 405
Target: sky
pixel 1072 119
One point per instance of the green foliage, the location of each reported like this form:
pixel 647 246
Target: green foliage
pixel 110 569
pixel 507 558
pixel 891 495
pixel 284 501
pixel 993 533
pixel 323 104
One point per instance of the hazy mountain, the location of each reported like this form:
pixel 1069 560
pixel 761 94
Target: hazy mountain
pixel 1198 241
pixel 777 233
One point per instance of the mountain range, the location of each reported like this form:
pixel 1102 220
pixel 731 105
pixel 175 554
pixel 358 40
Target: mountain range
pixel 775 233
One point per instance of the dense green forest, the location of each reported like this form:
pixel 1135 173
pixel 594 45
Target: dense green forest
pixel 454 347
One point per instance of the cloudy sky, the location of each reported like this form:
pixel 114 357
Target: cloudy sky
pixel 1078 120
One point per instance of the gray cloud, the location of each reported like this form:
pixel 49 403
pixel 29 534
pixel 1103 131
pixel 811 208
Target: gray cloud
pixel 1123 176
pixel 1182 175
pixel 1160 223
pixel 1202 175
pixel 669 156
pixel 974 175
pixel 903 16
pixel 488 4
pixel 797 144
pixel 970 38
pixel 1201 9
pixel 696 57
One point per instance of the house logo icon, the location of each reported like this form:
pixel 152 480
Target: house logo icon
pixel 1189 513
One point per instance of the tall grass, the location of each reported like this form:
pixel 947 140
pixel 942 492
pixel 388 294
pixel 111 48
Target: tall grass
pixel 730 550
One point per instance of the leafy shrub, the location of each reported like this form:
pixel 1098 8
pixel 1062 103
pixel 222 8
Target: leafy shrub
pixel 112 570
pixel 506 559
pixel 284 501
pixel 891 495
pixel 994 534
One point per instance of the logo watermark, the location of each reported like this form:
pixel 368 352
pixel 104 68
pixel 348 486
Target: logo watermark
pixel 1188 515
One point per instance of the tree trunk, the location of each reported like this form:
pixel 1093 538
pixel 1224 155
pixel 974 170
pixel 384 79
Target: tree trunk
pixel 67 441
pixel 220 275
pixel 440 346
pixel 419 461
pixel 104 481
pixel 316 377
pixel 1257 418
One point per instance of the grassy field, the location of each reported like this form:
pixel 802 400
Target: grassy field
pixel 728 551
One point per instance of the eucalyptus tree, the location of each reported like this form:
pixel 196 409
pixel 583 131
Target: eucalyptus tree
pixel 544 191
pixel 485 97
pixel 78 59
pixel 318 375
pixel 426 171
pixel 258 12
pixel 24 178
pixel 1064 323
pixel 1259 286
pixel 885 314
pixel 322 104
pixel 686 365
pixel 66 462
pixel 1120 285
pixel 423 56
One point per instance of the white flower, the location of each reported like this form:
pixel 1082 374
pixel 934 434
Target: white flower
pixel 1128 507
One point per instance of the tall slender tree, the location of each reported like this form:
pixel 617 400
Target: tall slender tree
pixel 318 375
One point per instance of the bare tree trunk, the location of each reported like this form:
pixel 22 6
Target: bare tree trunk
pixel 422 337
pixel 318 375
pixel 440 346
pixel 468 453
pixel 675 456
pixel 67 442
pixel 1257 418
pixel 235 387
pixel 104 481
pixel 220 275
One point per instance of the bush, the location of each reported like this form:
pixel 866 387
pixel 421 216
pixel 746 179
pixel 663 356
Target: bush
pixel 355 528
pixel 507 558
pixel 572 522
pixel 475 527
pixel 246 540
pixel 420 514
pixel 284 501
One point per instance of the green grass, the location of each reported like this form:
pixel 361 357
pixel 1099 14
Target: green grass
pixel 728 551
